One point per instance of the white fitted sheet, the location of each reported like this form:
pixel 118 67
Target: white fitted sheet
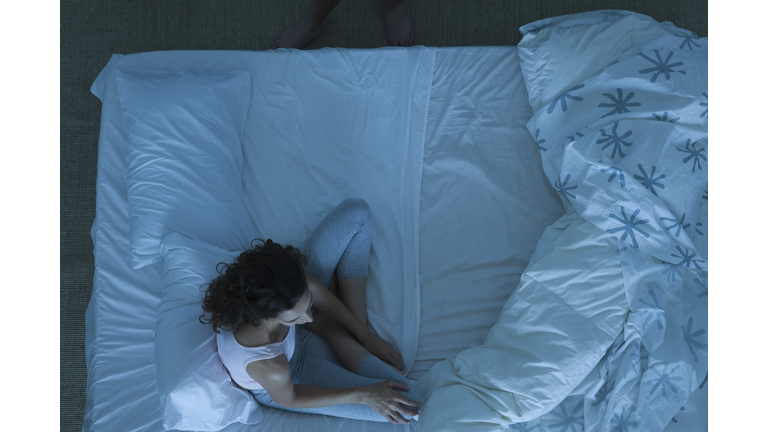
pixel 480 209
pixel 334 124
pixel 484 199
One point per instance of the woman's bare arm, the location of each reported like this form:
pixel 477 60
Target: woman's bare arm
pixel 329 304
pixel 275 376
pixel 334 308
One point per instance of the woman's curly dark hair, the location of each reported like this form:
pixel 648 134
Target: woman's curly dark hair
pixel 261 284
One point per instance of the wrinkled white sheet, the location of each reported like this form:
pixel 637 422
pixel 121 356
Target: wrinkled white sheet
pixel 484 199
pixel 337 124
pixel 287 200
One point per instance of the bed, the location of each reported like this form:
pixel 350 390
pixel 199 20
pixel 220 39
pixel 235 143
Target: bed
pixel 539 249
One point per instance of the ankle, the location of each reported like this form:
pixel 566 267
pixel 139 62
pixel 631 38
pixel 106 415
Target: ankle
pixel 316 21
pixel 314 24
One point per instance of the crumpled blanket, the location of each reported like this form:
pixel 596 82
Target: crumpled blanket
pixel 607 330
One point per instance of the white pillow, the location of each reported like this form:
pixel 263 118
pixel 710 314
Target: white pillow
pixel 196 392
pixel 184 158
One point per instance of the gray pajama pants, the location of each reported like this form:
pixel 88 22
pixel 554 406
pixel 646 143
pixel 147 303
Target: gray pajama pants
pixel 341 242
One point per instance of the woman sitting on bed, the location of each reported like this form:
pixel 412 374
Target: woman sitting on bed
pixel 260 299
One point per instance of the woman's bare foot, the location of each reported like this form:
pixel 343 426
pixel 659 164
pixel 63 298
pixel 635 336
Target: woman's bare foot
pixel 399 28
pixel 299 35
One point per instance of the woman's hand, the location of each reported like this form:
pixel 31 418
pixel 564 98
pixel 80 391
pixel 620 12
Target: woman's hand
pixel 384 351
pixel 384 400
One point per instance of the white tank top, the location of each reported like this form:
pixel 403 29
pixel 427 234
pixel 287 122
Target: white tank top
pixel 236 356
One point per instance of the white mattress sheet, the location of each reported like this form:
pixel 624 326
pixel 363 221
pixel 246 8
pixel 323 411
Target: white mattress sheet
pixel 482 206
pixel 398 172
pixel 485 200
pixel 331 124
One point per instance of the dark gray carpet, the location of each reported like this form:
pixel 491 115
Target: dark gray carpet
pixel 92 30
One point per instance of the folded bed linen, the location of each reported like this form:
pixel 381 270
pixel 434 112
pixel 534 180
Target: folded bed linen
pixel 288 186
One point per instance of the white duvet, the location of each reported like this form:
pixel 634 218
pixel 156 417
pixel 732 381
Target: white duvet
pixel 607 330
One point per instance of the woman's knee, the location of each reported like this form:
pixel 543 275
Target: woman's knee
pixel 357 207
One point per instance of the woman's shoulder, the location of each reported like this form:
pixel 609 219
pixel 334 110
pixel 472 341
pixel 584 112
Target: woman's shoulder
pixel 250 336
pixel 269 371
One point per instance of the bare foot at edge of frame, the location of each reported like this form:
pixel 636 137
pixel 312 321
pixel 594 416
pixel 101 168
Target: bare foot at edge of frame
pixel 299 34
pixel 399 28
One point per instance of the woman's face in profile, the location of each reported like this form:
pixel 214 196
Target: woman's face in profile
pixel 300 314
